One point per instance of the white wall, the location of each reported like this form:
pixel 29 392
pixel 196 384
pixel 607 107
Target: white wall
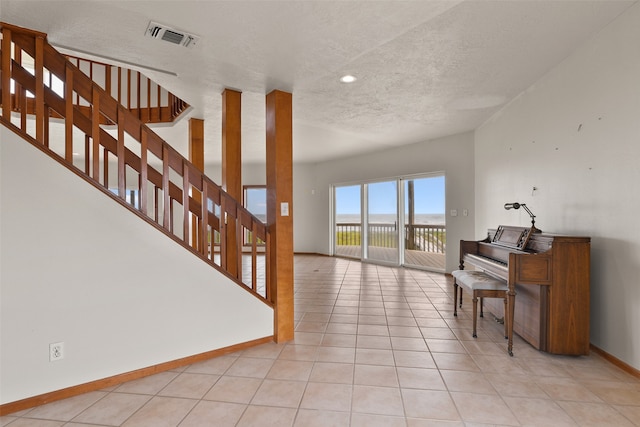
pixel 575 135
pixel 78 267
pixel 452 155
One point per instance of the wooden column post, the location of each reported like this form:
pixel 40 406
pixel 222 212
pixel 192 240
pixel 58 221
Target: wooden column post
pixel 196 156
pixel 280 211
pixel 232 168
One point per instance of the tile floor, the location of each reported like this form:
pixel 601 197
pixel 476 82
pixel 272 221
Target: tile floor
pixel 374 346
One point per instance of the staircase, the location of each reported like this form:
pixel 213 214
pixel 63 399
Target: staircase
pixel 51 103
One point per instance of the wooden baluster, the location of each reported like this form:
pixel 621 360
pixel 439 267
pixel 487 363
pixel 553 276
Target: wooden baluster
pixel 254 255
pixel 46 124
pixel 223 231
pixel 138 95
pixel 119 85
pixel 165 188
pixel 186 185
pixel 107 79
pixel 120 154
pixel 129 90
pixel 144 173
pixel 239 230
pixel 39 95
pixel 156 212
pixel 6 74
pixel 87 159
pixel 148 100
pixel 159 90
pixel 68 120
pixel 95 132
pixel 105 167
pixel 204 223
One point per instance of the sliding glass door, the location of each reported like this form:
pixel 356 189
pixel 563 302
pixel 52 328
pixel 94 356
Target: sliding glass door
pixel 381 222
pixel 348 221
pixel 395 222
pixel 424 222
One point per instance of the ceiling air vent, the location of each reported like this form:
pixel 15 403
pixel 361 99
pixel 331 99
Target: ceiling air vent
pixel 171 35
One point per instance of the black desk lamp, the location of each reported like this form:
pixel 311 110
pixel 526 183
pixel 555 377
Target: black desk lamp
pixel 517 205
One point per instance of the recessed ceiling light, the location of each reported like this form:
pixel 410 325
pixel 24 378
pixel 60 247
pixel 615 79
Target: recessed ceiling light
pixel 348 79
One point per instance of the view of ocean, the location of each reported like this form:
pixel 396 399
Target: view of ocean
pixel 435 219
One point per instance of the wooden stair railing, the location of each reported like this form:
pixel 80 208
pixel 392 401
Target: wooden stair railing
pixel 147 100
pixel 151 178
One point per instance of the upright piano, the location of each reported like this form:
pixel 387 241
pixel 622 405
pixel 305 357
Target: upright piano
pixel 551 275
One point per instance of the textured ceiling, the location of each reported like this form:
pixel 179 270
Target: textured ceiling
pixel 425 69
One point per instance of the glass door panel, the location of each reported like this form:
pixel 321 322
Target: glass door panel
pixel 424 222
pixel 348 220
pixel 382 222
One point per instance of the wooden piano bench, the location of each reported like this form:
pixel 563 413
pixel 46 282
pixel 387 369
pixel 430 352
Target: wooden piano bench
pixel 482 285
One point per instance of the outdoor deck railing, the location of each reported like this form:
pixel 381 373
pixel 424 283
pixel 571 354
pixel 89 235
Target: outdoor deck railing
pixel 420 237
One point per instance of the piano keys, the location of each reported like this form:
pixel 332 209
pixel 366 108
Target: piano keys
pixel 551 274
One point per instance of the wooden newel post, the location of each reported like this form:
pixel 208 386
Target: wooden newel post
pixel 280 210
pixel 231 170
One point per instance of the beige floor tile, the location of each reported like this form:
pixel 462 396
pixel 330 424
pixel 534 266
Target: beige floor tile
pixel 161 412
pixel 298 370
pixel 250 367
pixel 317 418
pixel 455 361
pixel 419 422
pixel 148 385
pixel 369 341
pixel 420 378
pixel 379 330
pixel 405 331
pixel 515 385
pixel 438 333
pixel 266 351
pixel 113 409
pixel 402 321
pixel 279 393
pixel 445 346
pixel 368 420
pixel 371 356
pixel 339 340
pixel 430 404
pixel 28 422
pixel 427 322
pixel 66 409
pixel 413 359
pixel 207 413
pixel 542 412
pixel 234 389
pixel 311 326
pixel 408 343
pixel 470 382
pixel 189 386
pixel 264 416
pixel 595 414
pixel 215 366
pixel 298 352
pixel 329 372
pixel 566 389
pixel 377 400
pixel 332 397
pixel 336 354
pixel 342 328
pixel 307 338
pixel 483 408
pixel 616 393
pixel 631 412
pixel 384 376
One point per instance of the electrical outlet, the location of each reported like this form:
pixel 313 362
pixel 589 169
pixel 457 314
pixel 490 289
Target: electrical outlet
pixel 56 351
